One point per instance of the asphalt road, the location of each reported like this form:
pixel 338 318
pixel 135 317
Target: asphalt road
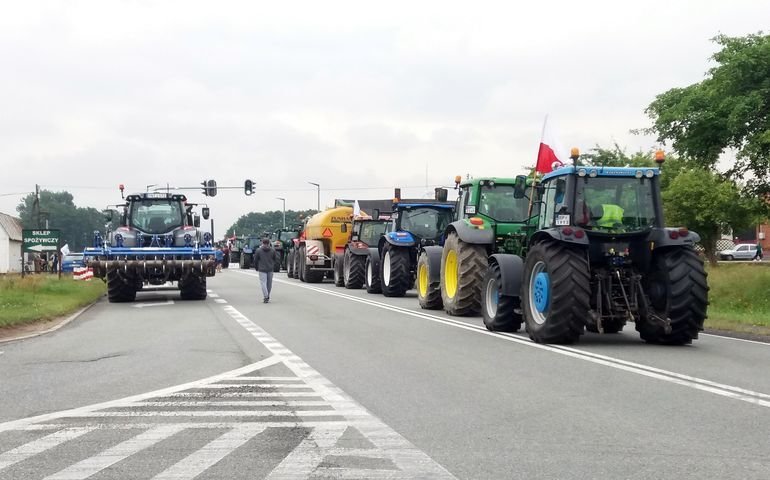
pixel 325 382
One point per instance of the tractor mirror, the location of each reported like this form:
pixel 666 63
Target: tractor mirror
pixel 107 215
pixel 344 228
pixel 520 187
pixel 376 214
pixel 206 212
pixel 196 221
pixel 441 194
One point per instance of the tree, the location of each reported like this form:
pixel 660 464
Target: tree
pixel 617 157
pixel 77 225
pixel 708 204
pixel 730 109
pixel 257 223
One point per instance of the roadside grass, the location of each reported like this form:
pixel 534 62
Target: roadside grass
pixel 43 297
pixel 739 298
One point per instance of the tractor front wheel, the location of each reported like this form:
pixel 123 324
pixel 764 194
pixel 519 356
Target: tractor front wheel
pixel 428 292
pixel 394 271
pixel 118 288
pixel 355 270
pixel 339 273
pixel 501 312
pixel 372 279
pixel 193 288
pixel 556 292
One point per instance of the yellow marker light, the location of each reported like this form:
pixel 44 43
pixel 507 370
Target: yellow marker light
pixel 574 152
pixel 458 179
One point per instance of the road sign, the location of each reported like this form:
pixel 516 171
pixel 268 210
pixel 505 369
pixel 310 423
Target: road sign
pixel 40 240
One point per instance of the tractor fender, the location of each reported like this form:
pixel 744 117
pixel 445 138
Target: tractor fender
pixel 661 237
pixel 434 262
pixel 398 239
pixel 555 234
pixel 511 272
pixel 359 251
pixel 374 255
pixel 471 234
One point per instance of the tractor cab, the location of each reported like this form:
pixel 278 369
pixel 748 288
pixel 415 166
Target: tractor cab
pixel 424 222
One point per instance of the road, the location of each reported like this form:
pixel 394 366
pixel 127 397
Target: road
pixel 325 382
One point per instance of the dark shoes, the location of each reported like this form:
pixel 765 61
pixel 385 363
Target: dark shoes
pixel 266 300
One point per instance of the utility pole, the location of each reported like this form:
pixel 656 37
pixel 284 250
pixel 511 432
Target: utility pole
pixel 318 186
pixel 284 210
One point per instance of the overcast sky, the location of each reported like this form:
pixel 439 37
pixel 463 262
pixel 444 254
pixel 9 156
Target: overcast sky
pixel 357 96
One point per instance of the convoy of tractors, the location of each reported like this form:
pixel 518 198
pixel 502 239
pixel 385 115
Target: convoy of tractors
pixel 580 248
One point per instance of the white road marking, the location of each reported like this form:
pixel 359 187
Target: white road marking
pixel 153 304
pixel 41 445
pixel 220 300
pixel 303 460
pixel 237 403
pixel 92 465
pixel 766 344
pixel 244 394
pixel 213 295
pixel 231 413
pixel 199 461
pixel 729 391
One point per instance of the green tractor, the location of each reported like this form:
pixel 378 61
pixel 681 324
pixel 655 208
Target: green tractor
pixel 491 225
pixel 602 256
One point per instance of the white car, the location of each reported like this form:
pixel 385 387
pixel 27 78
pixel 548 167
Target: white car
pixel 742 251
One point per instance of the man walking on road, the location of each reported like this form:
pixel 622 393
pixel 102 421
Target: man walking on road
pixel 264 261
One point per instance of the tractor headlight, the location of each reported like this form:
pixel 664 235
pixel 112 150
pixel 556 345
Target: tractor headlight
pixel 592 173
pixel 582 172
pixel 638 174
pixel 649 173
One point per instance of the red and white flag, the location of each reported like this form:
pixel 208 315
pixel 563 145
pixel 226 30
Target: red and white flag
pixel 551 154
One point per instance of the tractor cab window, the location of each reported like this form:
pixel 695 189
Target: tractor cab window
pixel 370 232
pixel 425 222
pixel 498 203
pixel 156 216
pixel 554 200
pixel 617 204
pixel 462 203
pixel 286 236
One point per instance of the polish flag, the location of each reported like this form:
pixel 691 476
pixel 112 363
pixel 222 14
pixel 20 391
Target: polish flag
pixel 551 154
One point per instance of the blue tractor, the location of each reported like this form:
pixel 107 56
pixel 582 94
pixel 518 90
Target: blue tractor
pixel 157 241
pixel 602 256
pixel 415 224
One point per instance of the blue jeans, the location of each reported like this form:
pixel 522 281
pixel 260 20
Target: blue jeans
pixel 266 281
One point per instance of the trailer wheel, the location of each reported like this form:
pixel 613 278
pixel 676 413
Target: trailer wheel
pixel 119 290
pixel 372 279
pixel 193 288
pixel 499 311
pixel 355 270
pixel 462 270
pixel 428 293
pixel 677 289
pixel 394 271
pixel 556 292
pixel 339 273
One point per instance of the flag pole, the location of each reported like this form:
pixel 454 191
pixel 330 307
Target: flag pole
pixel 534 173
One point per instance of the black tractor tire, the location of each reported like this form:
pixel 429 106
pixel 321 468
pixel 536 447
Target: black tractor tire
pixel 372 276
pixel 118 290
pixel 309 275
pixel 678 290
pixel 193 288
pixel 471 264
pixel 428 292
pixel 297 260
pixel 339 272
pixel 567 290
pixel 501 312
pixel 277 266
pixel 354 270
pixel 395 275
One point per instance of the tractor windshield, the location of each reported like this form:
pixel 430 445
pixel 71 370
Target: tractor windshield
pixel 497 202
pixel 286 236
pixel 156 216
pixel 617 204
pixel 425 222
pixel 371 231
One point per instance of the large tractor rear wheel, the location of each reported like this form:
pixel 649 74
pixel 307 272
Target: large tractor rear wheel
pixel 119 290
pixel 354 270
pixel 677 290
pixel 339 273
pixel 296 261
pixel 462 271
pixel 499 311
pixel 394 271
pixel 556 292
pixel 193 288
pixel 428 293
pixel 372 279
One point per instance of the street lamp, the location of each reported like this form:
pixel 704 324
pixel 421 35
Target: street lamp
pixel 284 210
pixel 319 194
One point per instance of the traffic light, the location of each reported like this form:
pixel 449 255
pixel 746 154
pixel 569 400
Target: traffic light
pixel 248 187
pixel 209 187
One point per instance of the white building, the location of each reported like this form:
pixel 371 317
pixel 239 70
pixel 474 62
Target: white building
pixel 10 244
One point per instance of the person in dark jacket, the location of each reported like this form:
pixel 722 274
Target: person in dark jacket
pixel 265 258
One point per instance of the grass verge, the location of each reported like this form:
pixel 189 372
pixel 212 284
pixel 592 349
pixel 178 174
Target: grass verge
pixel 43 297
pixel 740 298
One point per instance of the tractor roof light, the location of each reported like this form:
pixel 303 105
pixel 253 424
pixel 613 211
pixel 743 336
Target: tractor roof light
pixel 638 174
pixel 592 173
pixel 574 153
pixel 649 174
pixel 582 172
pixel 660 157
